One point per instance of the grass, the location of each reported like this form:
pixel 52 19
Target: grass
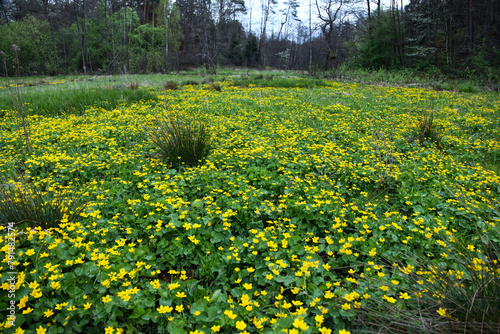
pixel 283 82
pixel 182 141
pixel 464 299
pixel 291 223
pixel 30 204
pixel 58 101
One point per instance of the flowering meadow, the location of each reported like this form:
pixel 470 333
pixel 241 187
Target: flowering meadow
pixel 308 210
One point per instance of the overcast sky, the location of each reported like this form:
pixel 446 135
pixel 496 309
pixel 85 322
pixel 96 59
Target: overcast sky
pixel 254 9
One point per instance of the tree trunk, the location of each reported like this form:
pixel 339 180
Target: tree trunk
pixel 87 53
pixel 107 30
pixel 47 15
pixel 75 3
pixel 470 29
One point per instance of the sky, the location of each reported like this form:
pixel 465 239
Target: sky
pixel 254 10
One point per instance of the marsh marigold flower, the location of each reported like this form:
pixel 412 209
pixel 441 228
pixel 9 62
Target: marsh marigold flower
pixel 241 325
pixel 164 309
pixel 300 324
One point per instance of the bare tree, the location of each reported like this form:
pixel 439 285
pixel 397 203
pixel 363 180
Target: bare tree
pixel 329 12
pixel 268 9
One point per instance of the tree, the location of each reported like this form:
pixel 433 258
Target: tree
pixel 198 28
pixel 376 49
pixel 229 31
pixel 170 20
pixel 32 36
pixel 268 9
pixel 329 12
pixel 252 55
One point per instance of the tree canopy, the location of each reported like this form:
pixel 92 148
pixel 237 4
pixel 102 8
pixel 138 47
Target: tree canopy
pixel 143 36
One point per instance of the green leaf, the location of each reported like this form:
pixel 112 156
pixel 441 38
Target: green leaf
pixel 199 306
pixel 216 237
pixel 137 313
pixel 285 322
pixel 174 329
pixel 215 295
pixel 197 204
pixel 213 313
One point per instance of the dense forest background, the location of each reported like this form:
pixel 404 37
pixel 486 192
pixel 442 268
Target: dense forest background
pixel 144 36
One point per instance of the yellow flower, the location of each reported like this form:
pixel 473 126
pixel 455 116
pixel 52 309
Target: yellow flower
pixel 241 325
pixel 300 324
pixel 301 310
pixel 215 329
pixel 87 305
pixel 164 309
pixel 180 294
pixel 155 283
pixel 28 310
pixel 325 330
pixel 109 330
pixel 179 308
pixel 173 286
pixel 41 330
pixel 30 252
pixel 389 299
pixel 22 302
pixel 106 299
pixel 55 285
pixel 343 331
pixel 230 314
pixel 48 313
pixel 404 295
pixel 442 312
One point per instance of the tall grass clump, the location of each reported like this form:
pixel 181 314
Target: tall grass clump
pixel 32 205
pixel 181 140
pixel 170 85
pixel 427 130
pixel 134 85
pixel 459 293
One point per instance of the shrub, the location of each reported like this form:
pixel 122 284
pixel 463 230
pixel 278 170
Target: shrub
pixel 180 140
pixel 31 205
pixel 467 87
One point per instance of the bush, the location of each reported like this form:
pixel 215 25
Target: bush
pixel 181 140
pixel 467 87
